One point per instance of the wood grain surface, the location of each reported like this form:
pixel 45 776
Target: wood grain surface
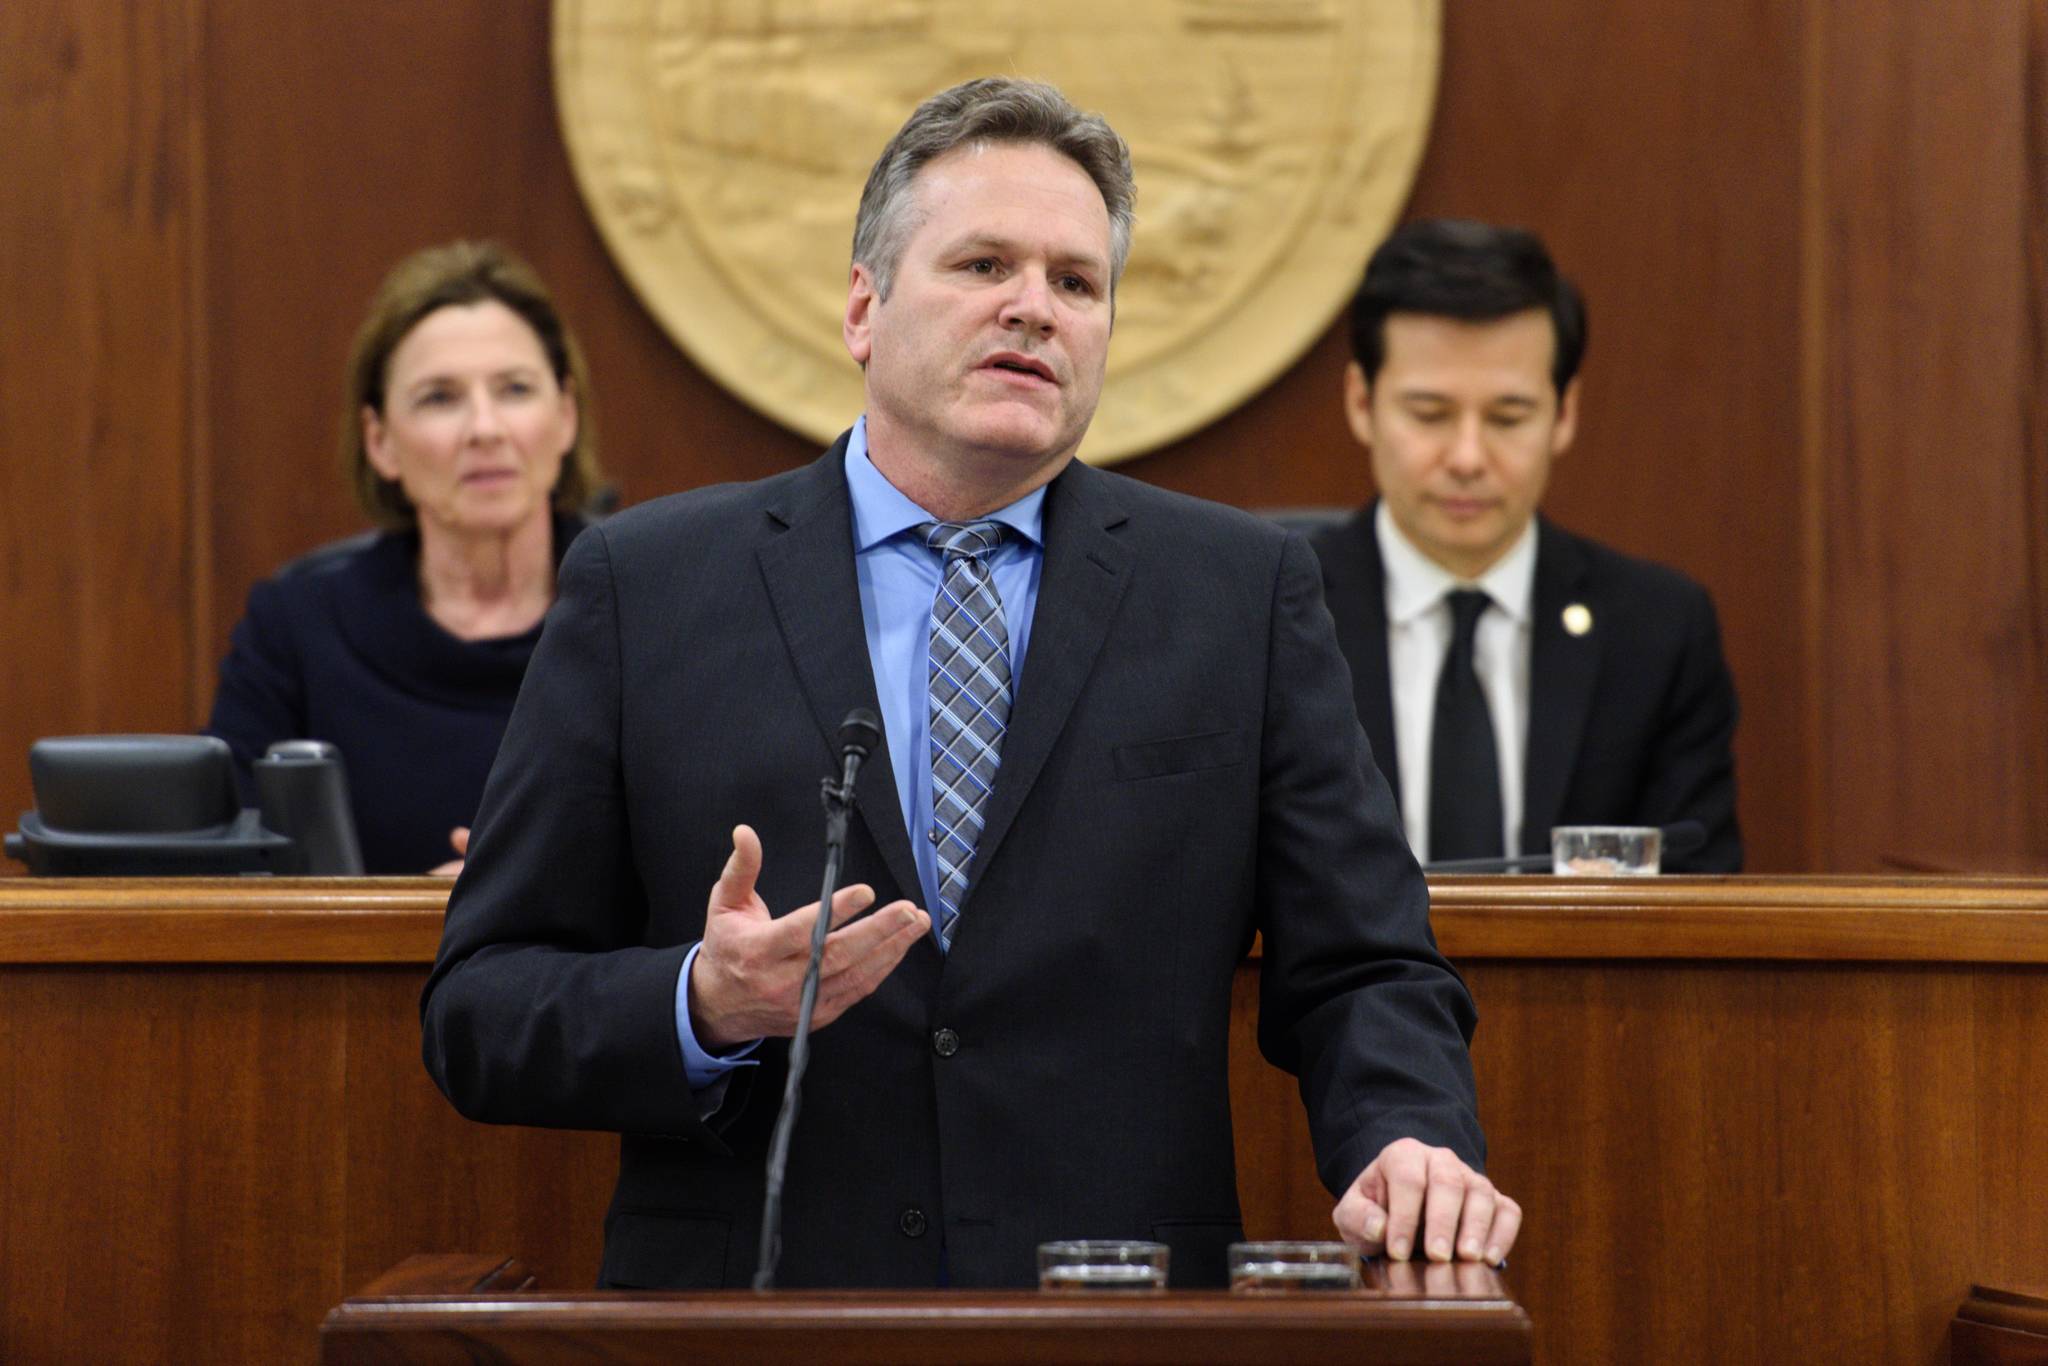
pixel 1384 1327
pixel 2001 1328
pixel 1805 1141
pixel 1758 1122
pixel 1810 235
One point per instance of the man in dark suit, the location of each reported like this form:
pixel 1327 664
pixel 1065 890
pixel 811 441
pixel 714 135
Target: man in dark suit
pixel 1510 675
pixel 1118 744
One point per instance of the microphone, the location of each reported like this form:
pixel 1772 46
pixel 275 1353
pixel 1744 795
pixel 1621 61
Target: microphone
pixel 1680 837
pixel 859 733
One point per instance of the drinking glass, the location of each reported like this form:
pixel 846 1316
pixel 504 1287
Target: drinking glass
pixel 1102 1264
pixel 1606 850
pixel 1287 1267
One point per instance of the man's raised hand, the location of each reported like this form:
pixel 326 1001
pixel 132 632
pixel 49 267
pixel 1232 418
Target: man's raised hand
pixel 748 978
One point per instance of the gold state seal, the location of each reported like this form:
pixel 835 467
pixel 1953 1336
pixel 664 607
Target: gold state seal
pixel 721 146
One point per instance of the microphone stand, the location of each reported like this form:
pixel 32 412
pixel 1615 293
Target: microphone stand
pixel 838 798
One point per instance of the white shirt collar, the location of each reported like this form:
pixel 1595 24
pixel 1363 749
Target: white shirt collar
pixel 1417 584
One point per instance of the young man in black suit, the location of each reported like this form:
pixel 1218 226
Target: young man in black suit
pixel 1510 675
pixel 1117 745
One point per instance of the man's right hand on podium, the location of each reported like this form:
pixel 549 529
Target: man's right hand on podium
pixel 748 977
pixel 1415 1199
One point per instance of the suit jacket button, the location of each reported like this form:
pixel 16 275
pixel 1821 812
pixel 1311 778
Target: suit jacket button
pixel 945 1042
pixel 911 1222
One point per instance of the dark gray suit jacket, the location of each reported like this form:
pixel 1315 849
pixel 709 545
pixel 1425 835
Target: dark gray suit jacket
pixel 1632 723
pixel 1183 769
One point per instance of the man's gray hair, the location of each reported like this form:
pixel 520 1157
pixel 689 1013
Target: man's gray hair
pixel 991 110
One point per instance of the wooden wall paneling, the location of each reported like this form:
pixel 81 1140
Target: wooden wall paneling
pixel 1933 671
pixel 201 199
pixel 1733 1162
pixel 256 1150
pixel 214 191
pixel 420 1178
pixel 1804 1145
pixel 202 1159
pixel 96 115
pixel 1748 1157
pixel 398 127
pixel 1859 1085
pixel 2011 1074
pixel 1279 1199
pixel 161 1102
pixel 391 127
pixel 1654 148
pixel 2034 410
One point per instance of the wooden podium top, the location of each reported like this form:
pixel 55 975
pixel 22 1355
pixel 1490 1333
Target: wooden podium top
pixel 398 920
pixel 454 1308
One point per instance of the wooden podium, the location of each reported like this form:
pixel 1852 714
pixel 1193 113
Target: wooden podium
pixel 462 1309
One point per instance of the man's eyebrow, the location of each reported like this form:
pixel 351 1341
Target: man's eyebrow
pixel 1419 394
pixel 995 243
pixel 977 241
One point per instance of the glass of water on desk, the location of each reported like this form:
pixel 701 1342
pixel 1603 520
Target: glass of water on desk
pixel 1286 1267
pixel 1102 1264
pixel 1606 850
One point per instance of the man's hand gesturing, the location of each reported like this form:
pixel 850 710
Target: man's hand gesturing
pixel 749 976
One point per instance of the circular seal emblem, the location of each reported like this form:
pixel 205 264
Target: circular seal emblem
pixel 721 146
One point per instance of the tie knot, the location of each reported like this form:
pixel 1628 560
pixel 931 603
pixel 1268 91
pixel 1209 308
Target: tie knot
pixel 962 540
pixel 1467 604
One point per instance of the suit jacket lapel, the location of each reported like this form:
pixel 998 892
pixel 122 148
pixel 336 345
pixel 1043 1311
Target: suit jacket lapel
pixel 1356 590
pixel 1562 671
pixel 807 563
pixel 1086 570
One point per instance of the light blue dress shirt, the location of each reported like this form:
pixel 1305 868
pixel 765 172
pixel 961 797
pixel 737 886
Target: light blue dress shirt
pixel 898 576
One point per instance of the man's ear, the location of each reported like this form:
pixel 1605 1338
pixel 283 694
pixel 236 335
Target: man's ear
pixel 1567 420
pixel 377 446
pixel 857 326
pixel 1358 403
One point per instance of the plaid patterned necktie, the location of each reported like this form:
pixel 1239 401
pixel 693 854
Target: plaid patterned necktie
pixel 970 700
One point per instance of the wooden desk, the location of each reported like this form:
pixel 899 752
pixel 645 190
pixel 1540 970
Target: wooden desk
pixel 1785 1120
pixel 2000 1328
pixel 1769 1120
pixel 214 1120
pixel 456 1309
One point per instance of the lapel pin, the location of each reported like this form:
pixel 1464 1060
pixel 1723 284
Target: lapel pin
pixel 1578 619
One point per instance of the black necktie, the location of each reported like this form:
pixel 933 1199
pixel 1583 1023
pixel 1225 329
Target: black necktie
pixel 1464 767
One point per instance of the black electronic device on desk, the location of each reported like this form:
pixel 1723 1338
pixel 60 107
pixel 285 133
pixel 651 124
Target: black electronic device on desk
pixel 165 805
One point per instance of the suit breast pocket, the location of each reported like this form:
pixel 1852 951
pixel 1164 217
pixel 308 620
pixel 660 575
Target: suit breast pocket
pixel 1180 754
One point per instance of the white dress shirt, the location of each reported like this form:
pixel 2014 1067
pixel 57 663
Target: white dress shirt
pixel 1418 633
